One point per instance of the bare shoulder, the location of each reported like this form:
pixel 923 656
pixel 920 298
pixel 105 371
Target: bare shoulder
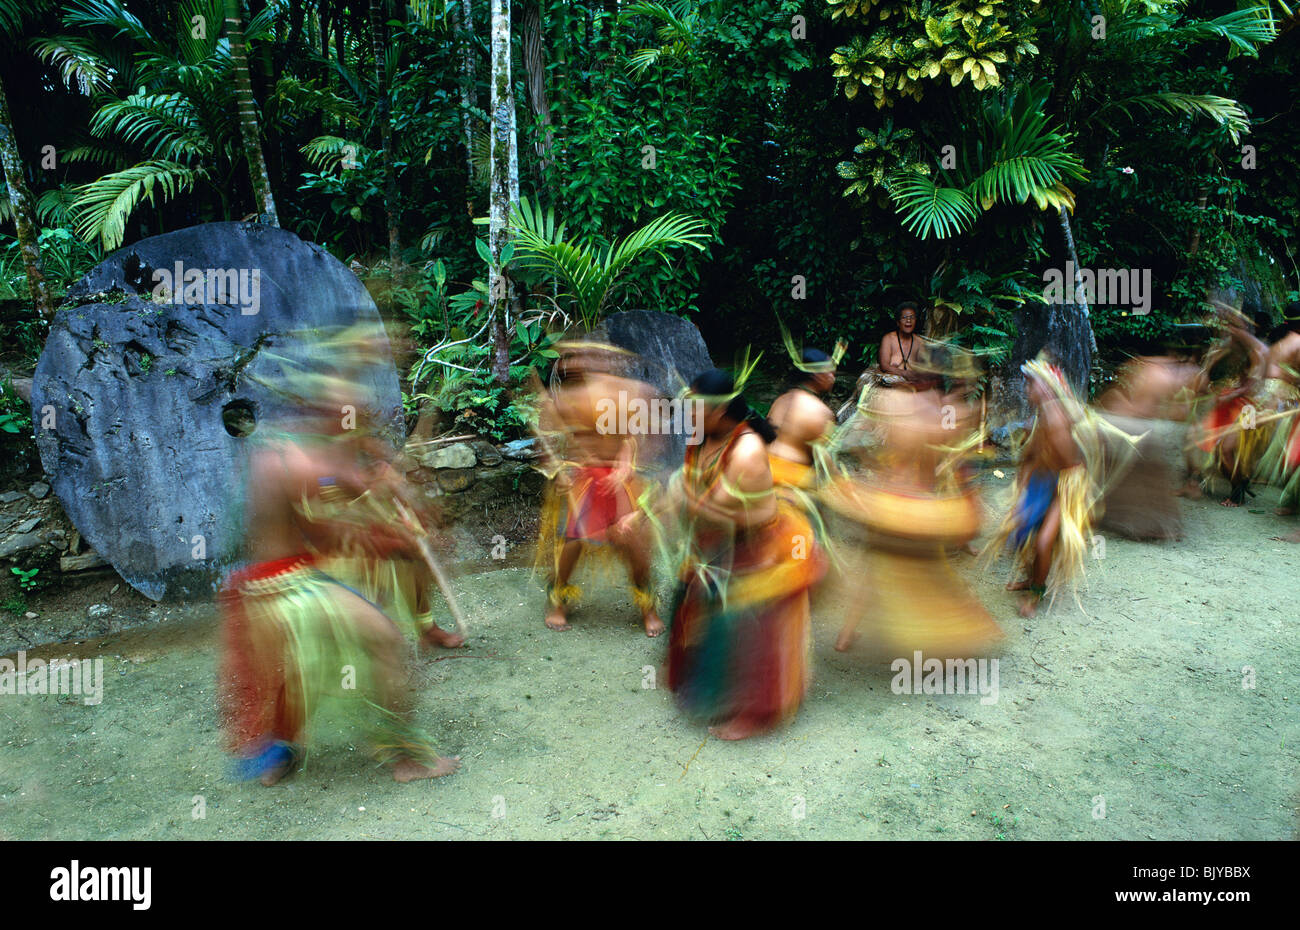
pixel 813 411
pixel 749 451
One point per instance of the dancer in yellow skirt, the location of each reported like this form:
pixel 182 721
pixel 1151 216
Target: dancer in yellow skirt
pixel 897 520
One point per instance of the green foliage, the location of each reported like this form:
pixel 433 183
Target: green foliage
pixel 910 44
pixel 589 269
pixel 27 579
pixel 15 414
pixel 64 258
pixel 1014 156
pixel 103 206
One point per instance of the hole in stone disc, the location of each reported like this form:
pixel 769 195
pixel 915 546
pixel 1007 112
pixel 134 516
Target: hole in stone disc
pixel 238 418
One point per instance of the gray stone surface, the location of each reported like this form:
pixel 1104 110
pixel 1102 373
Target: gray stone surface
pixel 12 545
pixel 456 455
pixel 139 455
pixel 670 353
pixel 39 490
pixel 520 449
pixel 8 497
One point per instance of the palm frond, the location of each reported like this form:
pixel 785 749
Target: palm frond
pixel 77 60
pixel 164 125
pixel 331 151
pixel 110 155
pixel 197 44
pixel 1246 29
pixel 671 230
pixel 588 271
pixel 929 210
pixel 54 206
pixel 103 206
pixel 14 13
pixel 301 98
pixel 675 30
pixel 263 24
pixel 112 15
pixel 1227 113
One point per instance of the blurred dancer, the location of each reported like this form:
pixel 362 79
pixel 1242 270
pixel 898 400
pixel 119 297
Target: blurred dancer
pixel 1151 396
pixel 1050 523
pixel 378 556
pixel 1281 463
pixel 294 635
pixel 1230 440
pixel 802 420
pixel 374 552
pixel 738 647
pixel 590 437
pixel 897 519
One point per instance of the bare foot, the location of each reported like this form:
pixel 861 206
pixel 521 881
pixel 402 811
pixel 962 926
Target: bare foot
pixel 653 625
pixel 1228 502
pixel 969 549
pixel 1285 511
pixel 405 770
pixel 844 642
pixel 1289 537
pixel 436 636
pixel 273 775
pixel 1190 490
pixel 735 729
pixel 1028 606
pixel 556 620
pixel 1020 585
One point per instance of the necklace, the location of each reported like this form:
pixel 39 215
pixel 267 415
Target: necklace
pixel 911 344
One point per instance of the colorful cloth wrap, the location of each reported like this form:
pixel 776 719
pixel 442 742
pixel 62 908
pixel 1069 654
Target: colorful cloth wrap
pixel 288 632
pixel 739 641
pixel 1031 508
pixel 1223 420
pixel 594 506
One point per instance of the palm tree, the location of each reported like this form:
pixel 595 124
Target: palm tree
pixel 257 172
pixel 20 196
pixel 675 29
pixel 168 114
pixel 1014 156
pixel 392 207
pixel 590 270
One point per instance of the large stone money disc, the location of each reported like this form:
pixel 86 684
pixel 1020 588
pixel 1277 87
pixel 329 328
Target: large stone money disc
pixel 149 391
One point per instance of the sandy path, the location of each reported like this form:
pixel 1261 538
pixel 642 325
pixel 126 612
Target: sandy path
pixel 1140 703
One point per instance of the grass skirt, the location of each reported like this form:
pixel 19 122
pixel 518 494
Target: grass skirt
pixel 287 637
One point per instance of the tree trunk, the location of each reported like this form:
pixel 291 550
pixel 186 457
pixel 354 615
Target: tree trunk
pixel 1064 330
pixel 504 187
pixel 468 97
pixel 20 199
pixel 535 66
pixel 257 172
pixel 392 207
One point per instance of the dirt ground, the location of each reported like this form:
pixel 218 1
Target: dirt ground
pixel 1137 705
